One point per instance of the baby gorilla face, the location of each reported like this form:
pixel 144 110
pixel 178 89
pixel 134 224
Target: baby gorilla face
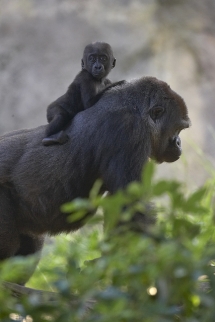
pixel 98 59
pixel 98 65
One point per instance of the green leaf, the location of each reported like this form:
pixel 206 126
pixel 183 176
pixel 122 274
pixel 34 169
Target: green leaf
pixel 76 216
pixel 76 205
pixel 95 189
pixel 164 186
pixel 193 203
pixel 147 175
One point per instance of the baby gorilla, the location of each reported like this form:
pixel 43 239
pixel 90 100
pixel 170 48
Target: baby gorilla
pixel 97 62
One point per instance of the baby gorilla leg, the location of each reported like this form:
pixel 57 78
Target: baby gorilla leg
pixel 58 138
pixel 54 132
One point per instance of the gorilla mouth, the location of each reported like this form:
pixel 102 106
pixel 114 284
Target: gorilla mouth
pixel 172 155
pixel 173 151
pixel 98 74
pixel 172 158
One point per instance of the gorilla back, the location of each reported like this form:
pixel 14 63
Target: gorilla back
pixel 112 140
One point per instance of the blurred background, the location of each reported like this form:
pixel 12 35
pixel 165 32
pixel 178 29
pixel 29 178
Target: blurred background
pixel 41 46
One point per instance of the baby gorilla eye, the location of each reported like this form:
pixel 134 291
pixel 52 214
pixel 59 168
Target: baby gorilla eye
pixel 92 58
pixel 103 58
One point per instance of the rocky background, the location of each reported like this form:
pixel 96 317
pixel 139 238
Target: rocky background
pixel 41 45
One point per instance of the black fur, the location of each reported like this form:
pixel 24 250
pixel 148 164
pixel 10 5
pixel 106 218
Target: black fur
pixel 97 62
pixel 112 140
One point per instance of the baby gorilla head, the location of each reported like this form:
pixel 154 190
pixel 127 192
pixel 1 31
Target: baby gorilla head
pixel 98 59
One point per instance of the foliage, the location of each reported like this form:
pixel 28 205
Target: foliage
pixel 164 273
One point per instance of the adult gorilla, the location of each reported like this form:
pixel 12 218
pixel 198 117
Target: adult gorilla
pixel 112 140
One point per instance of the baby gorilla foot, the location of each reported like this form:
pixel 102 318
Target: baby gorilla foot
pixel 59 138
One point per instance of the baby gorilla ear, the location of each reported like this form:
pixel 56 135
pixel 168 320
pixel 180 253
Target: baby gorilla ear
pixel 82 64
pixel 114 63
pixel 156 112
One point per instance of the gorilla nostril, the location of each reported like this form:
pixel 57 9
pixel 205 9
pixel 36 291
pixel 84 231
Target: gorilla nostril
pixel 178 142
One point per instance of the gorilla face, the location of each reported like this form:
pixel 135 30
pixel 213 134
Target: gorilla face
pixel 166 121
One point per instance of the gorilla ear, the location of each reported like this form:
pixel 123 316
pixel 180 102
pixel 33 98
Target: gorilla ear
pixel 82 64
pixel 156 112
pixel 114 63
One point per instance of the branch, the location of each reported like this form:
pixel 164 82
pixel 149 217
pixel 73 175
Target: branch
pixel 19 290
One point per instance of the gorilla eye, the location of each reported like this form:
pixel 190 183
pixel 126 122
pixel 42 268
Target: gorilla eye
pixel 103 58
pixel 156 112
pixel 92 58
